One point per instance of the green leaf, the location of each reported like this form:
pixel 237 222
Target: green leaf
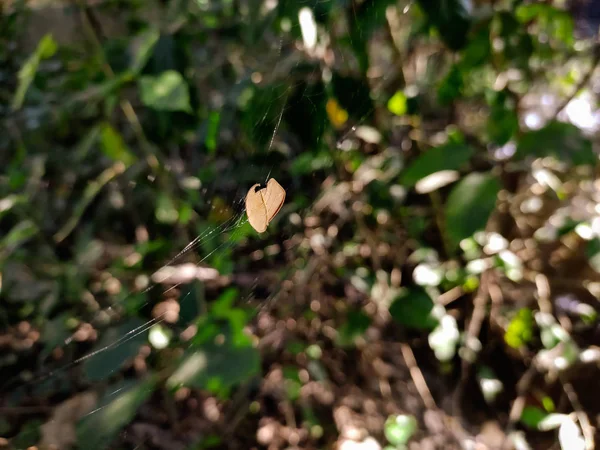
pixel 216 365
pixel 191 301
pixel 367 17
pixel 90 192
pixel 558 24
pixel 18 235
pixel 563 141
pixel 114 147
pixel 165 92
pixel 413 309
pixel 518 47
pixel 212 131
pixel 97 430
pixel 451 156
pixel 399 429
pixel 55 334
pixel 29 434
pixel 520 329
pixel 452 18
pixel 479 49
pixel 592 252
pixel 451 86
pixel 45 49
pixel 117 346
pixel 532 416
pixel 469 206
pixel 166 212
pixel 308 162
pixel 503 122
pixel 143 45
pixel 397 104
pixel 354 326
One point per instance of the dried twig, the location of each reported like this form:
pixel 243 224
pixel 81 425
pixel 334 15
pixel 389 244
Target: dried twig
pixel 419 380
pixel 543 290
pixel 479 306
pixel 450 296
pixel 417 376
pixel 582 418
pixel 517 407
pixel 584 81
pixel 90 193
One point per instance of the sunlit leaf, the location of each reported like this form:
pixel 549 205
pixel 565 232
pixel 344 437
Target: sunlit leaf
pixel 142 48
pixel 436 181
pixel 338 116
pixel 114 147
pixel 212 131
pixel 216 365
pixel 166 212
pixel 165 92
pixel 18 235
pixel 557 23
pixel 397 104
pixel 520 329
pixel 45 49
pixel 399 429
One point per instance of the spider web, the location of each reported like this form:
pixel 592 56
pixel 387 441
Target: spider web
pixel 174 273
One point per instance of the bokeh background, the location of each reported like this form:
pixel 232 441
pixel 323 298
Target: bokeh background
pixel 431 282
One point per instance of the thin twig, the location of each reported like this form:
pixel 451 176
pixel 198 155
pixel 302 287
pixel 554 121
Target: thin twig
pixel 419 380
pixel 517 407
pixel 544 294
pixel 89 194
pixel 479 312
pixel 450 296
pixel 582 418
pixel 584 81
pixel 417 376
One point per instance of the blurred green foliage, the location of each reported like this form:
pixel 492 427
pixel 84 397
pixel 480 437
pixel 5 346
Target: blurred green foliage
pixel 432 176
